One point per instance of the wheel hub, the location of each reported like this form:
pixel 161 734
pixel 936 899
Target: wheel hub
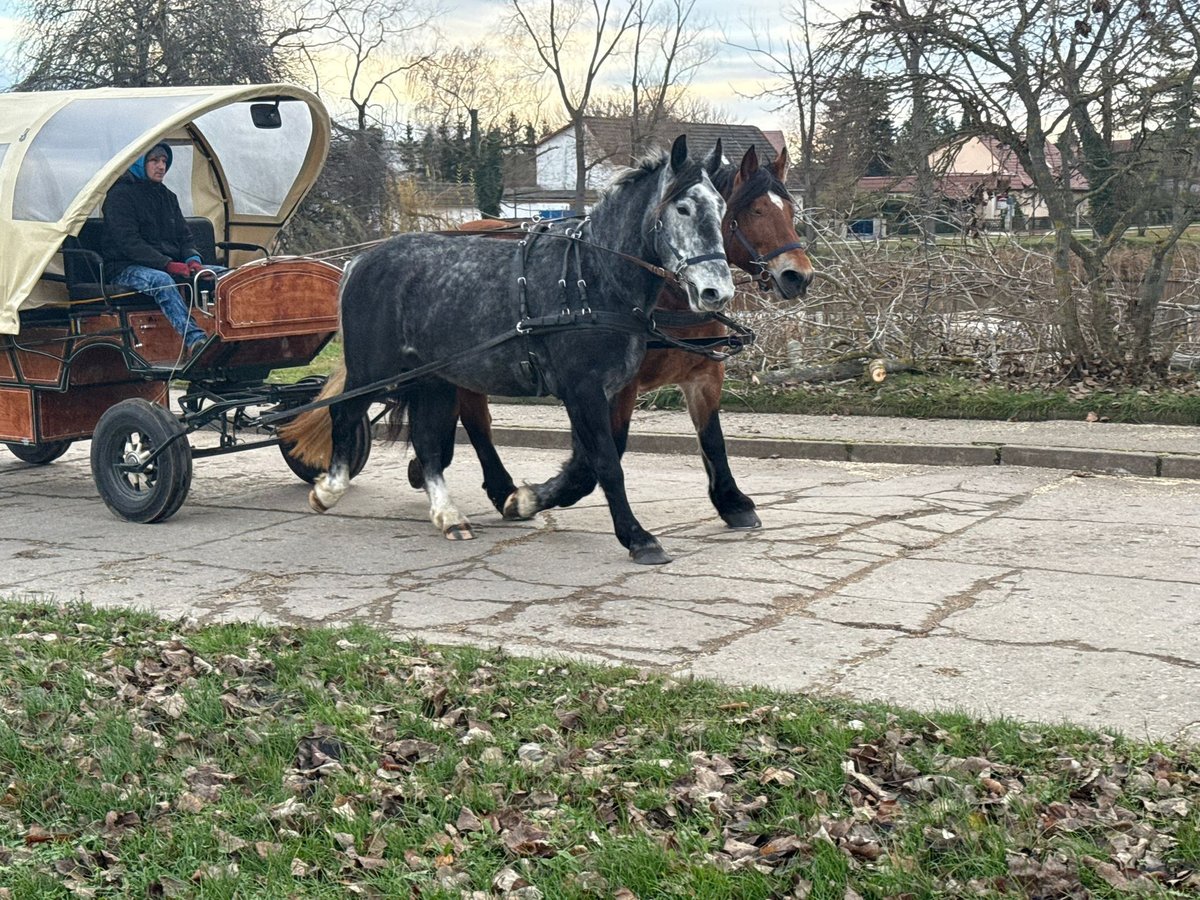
pixel 134 456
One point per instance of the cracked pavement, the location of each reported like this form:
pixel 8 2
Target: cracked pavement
pixel 999 591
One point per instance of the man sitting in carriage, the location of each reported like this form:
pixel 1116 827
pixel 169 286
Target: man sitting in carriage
pixel 147 243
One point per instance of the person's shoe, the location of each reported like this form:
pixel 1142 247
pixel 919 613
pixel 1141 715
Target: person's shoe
pixel 193 350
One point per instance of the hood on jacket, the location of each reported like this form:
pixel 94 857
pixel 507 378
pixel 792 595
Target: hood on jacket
pixel 138 169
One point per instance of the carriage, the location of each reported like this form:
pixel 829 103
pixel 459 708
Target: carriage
pixel 83 357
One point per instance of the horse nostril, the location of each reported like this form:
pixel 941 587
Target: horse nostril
pixel 710 297
pixel 793 283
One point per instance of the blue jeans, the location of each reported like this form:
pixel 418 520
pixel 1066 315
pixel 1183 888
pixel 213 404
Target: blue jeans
pixel 161 286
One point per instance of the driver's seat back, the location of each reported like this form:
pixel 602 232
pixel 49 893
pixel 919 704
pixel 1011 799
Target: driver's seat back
pixel 83 271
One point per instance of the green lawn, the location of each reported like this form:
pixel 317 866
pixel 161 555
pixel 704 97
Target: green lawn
pixel 143 758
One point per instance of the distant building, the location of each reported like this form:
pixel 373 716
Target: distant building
pixel 981 181
pixel 540 181
pixel 609 141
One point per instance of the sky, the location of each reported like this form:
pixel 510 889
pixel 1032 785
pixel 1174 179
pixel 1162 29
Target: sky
pixel 730 73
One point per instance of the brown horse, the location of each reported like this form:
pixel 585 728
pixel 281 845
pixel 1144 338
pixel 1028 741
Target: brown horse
pixel 760 238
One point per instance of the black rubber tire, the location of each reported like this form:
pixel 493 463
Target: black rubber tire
pixel 132 428
pixel 360 451
pixel 39 454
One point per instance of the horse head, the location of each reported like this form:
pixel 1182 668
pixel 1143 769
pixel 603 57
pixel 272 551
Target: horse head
pixel 687 231
pixel 759 227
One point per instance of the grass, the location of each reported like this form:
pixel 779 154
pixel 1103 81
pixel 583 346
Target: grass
pixel 956 397
pixel 148 758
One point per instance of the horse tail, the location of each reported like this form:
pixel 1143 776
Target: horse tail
pixel 311 433
pixel 396 415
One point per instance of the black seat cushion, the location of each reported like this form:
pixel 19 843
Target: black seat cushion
pixel 82 270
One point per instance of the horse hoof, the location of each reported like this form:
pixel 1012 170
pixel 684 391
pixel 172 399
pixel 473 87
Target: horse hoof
pixel 315 503
pixel 652 555
pixel 459 533
pixel 416 474
pixel 521 504
pixel 744 520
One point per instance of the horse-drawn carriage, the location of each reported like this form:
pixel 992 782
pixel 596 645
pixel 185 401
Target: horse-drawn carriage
pixel 567 309
pixel 82 356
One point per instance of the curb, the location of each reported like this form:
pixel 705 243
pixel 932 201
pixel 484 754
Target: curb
pixel 1105 462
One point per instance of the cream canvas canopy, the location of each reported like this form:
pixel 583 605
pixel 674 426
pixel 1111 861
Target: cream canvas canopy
pixel 61 151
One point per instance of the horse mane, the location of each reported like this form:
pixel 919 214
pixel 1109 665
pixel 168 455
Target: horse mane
pixel 722 179
pixel 761 182
pixel 651 164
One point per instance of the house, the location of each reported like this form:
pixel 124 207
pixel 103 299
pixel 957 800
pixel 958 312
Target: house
pixel 981 183
pixel 609 141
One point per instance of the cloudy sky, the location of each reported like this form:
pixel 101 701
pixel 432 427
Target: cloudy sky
pixel 731 73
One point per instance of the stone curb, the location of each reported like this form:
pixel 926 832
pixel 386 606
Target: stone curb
pixel 1108 462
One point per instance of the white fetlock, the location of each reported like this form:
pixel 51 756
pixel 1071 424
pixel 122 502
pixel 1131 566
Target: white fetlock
pixel 325 493
pixel 522 504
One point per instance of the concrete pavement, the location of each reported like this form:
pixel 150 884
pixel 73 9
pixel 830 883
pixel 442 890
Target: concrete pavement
pixel 1012 590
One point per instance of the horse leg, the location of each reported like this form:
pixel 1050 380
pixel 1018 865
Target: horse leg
pixel 431 419
pixel 477 421
pixel 575 480
pixel 703 396
pixel 329 486
pixel 591 433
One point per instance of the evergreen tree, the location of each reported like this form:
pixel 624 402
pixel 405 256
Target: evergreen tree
pixel 489 176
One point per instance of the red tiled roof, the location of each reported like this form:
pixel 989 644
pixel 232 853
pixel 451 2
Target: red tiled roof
pixel 1006 160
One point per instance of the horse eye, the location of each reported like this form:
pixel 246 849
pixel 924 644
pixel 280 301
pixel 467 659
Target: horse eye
pixel 683 209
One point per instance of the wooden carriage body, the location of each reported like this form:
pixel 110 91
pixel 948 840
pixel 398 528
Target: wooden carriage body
pixel 82 356
pixel 68 365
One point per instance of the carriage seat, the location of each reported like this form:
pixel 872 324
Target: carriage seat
pixel 83 264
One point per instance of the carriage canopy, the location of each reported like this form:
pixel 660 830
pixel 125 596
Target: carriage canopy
pixel 235 162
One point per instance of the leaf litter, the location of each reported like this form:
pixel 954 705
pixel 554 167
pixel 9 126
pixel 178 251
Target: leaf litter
pixel 159 757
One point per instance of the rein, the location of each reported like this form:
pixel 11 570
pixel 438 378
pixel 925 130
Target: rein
pixel 634 322
pixel 738 340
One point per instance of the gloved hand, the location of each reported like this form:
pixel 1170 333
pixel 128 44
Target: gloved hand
pixel 178 269
pixel 194 267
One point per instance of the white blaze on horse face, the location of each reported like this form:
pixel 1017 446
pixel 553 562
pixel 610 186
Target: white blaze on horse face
pixel 777 200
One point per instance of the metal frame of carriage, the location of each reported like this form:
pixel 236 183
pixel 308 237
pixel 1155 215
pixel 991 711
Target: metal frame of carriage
pixel 81 357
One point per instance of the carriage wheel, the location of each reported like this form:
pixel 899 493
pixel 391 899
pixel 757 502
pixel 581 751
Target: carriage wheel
pixel 360 450
pixel 128 434
pixel 39 454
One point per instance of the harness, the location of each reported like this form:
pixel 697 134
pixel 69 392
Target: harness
pixel 765 276
pixel 634 322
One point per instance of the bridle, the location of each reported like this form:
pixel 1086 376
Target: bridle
pixel 684 261
pixel 765 276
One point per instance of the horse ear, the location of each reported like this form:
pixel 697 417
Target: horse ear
pixel 712 162
pixel 679 152
pixel 749 164
pixel 780 167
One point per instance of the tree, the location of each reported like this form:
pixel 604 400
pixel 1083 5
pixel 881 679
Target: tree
pixel 109 43
pixel 857 137
pixel 563 34
pixel 452 82
pixel 798 69
pixel 1062 80
pixel 488 175
pixel 668 49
